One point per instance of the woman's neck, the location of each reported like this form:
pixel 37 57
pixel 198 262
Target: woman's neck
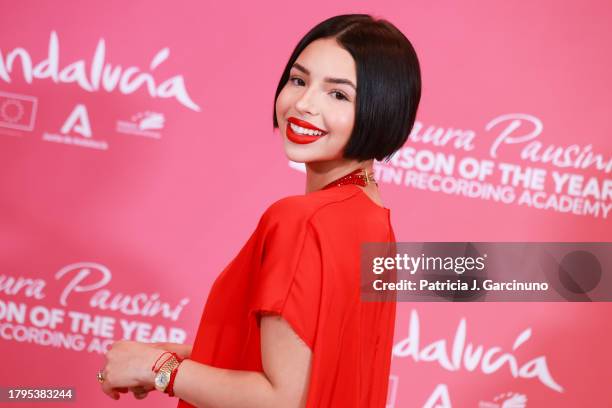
pixel 319 174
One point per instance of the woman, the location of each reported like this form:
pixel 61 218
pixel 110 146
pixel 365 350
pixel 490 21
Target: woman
pixel 284 324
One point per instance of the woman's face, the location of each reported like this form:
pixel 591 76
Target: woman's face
pixel 320 97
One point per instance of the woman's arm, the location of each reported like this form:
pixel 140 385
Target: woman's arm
pixel 286 361
pixel 183 350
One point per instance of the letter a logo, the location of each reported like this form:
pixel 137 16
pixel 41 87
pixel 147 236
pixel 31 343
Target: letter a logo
pixel 439 398
pixel 78 122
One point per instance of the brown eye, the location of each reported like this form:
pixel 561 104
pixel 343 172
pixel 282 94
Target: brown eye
pixel 342 96
pixel 291 79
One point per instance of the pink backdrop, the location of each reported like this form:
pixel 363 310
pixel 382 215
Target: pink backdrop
pixel 142 190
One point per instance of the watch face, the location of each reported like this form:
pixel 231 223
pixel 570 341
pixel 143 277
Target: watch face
pixel 162 379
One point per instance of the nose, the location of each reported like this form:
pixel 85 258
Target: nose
pixel 306 103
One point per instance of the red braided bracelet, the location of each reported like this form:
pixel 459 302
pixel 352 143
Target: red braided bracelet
pixel 162 354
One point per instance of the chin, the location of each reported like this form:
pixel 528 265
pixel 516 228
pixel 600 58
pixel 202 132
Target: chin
pixel 298 157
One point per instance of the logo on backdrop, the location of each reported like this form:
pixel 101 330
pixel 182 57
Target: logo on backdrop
pixel 17 111
pixel 506 400
pixel 440 398
pixel 464 355
pixel 544 177
pixel 145 124
pixel 92 329
pixel 101 76
pixel 76 130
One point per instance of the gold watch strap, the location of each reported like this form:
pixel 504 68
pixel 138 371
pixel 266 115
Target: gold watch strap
pixel 163 375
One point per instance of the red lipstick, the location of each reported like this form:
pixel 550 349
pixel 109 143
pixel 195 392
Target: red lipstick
pixel 299 138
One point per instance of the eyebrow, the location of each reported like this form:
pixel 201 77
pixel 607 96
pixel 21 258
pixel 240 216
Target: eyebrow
pixel 326 79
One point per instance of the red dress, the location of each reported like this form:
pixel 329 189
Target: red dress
pixel 303 263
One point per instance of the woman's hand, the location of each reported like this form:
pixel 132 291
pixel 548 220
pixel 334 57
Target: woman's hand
pixel 139 392
pixel 128 368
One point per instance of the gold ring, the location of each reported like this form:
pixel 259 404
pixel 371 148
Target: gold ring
pixel 100 376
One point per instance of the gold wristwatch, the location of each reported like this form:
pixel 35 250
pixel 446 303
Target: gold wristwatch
pixel 162 378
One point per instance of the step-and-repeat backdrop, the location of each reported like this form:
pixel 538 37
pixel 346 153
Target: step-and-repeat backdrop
pixel 137 155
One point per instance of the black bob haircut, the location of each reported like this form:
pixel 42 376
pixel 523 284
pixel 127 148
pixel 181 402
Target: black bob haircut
pixel 388 82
